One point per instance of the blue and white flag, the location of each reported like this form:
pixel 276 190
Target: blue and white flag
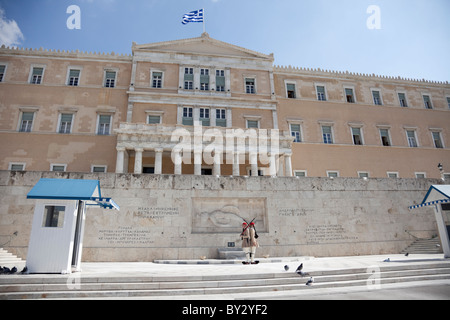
pixel 194 16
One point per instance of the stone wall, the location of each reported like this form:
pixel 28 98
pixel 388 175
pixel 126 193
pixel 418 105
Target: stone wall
pixel 185 217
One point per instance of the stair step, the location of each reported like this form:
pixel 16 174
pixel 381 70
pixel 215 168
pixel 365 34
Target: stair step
pixel 58 286
pixel 424 246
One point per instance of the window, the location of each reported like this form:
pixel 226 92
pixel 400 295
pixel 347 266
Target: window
pixel 349 96
pixel 357 136
pixel 321 96
pixel 65 123
pixel 333 174
pixel 392 174
pixel 300 173
pixel 157 80
pixel 110 79
pixel 290 89
pixel 252 124
pixel 74 77
pixel 148 170
pixel 427 102
pixel 53 217
pixel 188 78
pixel 14 166
pixel 412 140
pixel 36 75
pixel 295 132
pixel 104 125
pixel 421 175
pixel 363 174
pixel 204 79
pixel 187 116
pixel 448 98
pixel 204 117
pixel 376 97
pixel 153 119
pixel 402 100
pixel 98 169
pixel 2 72
pixel 26 124
pixel 327 134
pixel 221 118
pixel 437 139
pixel 58 167
pixel 220 80
pixel 385 140
pixel 250 85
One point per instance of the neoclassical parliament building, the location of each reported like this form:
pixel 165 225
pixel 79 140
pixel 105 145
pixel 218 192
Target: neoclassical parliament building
pixel 95 112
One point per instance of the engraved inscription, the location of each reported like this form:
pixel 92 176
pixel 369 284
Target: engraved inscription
pixel 333 233
pixel 156 212
pixel 293 212
pixel 125 236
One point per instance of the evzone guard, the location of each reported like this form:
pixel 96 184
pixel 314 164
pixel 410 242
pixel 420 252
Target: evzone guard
pixel 249 242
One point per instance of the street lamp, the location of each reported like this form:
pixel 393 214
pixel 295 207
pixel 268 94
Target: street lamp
pixel 441 170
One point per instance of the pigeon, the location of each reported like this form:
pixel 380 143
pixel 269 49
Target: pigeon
pixel 300 268
pixel 406 254
pixel 13 270
pixel 1 269
pixel 303 274
pixel 25 270
pixel 310 281
pixel 286 268
pixel 387 260
pixel 6 270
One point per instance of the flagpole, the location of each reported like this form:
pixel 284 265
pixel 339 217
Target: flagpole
pixel 204 27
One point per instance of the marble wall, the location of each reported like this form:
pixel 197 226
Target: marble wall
pixel 186 217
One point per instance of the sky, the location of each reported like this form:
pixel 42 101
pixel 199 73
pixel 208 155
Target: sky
pixel 407 38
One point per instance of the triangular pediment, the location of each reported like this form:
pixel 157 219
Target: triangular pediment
pixel 204 45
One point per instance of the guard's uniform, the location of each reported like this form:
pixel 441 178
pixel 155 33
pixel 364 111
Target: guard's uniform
pixel 249 243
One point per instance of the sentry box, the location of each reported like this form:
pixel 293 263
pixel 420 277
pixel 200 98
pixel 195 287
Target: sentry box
pixel 56 239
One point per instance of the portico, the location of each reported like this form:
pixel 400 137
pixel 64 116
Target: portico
pixel 202 150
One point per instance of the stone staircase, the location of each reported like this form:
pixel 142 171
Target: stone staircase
pixel 424 246
pixel 159 287
pixel 9 260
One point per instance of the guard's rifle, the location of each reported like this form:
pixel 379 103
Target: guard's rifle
pixel 248 225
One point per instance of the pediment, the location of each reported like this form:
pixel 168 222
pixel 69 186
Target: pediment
pixel 203 45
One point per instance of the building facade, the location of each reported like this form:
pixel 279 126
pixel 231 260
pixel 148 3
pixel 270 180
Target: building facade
pixel 204 107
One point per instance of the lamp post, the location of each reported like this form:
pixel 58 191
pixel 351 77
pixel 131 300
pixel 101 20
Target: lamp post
pixel 441 170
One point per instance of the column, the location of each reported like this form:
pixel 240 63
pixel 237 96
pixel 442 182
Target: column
pixel 158 160
pixel 254 164
pixel 236 172
pixel 120 160
pixel 198 163
pixel 138 160
pixel 216 167
pixel 177 162
pixel 288 164
pixel 273 164
pixel 280 165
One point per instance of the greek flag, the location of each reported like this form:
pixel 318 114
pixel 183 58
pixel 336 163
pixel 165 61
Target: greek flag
pixel 194 16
